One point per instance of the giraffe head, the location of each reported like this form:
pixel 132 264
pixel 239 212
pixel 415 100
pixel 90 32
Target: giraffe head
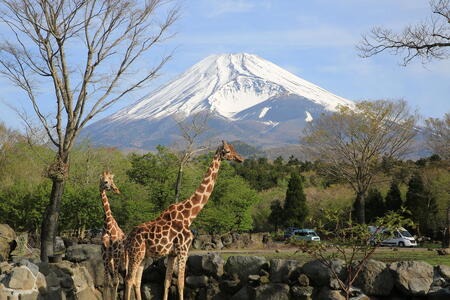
pixel 107 183
pixel 227 152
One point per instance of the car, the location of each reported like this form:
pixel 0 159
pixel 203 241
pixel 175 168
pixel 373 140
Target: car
pixel 399 237
pixel 305 235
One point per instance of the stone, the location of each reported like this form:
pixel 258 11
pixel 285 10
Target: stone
pixel 31 266
pixel 210 264
pixel 412 277
pixel 282 269
pixel 242 294
pixel 7 241
pixel 52 280
pixel 197 281
pixel 152 291
pixel 327 294
pixel 444 251
pixel 243 266
pixel 254 277
pixel 211 292
pixel 96 268
pixel 444 271
pixel 227 240
pixel 21 249
pixel 301 292
pixel 21 278
pixel 82 252
pixel 41 283
pixel 230 286
pixel 34 295
pixel 89 293
pixel 271 291
pixel 5 267
pixel 319 274
pixel 303 280
pixel 375 279
pixel 55 294
pixel 441 294
pixel 59 246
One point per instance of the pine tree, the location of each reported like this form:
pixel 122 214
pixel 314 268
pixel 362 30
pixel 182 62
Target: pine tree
pixel 393 198
pixel 422 203
pixel 375 206
pixel 276 216
pixel 295 209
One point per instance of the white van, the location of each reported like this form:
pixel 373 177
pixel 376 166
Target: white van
pixel 400 237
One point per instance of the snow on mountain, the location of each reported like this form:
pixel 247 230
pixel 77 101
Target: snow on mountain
pixel 226 84
pixel 251 99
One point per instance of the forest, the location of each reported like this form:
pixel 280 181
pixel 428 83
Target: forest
pixel 257 195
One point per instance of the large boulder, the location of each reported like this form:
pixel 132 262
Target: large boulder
pixel 375 279
pixel 321 275
pixel 281 270
pixel 412 277
pixel 210 264
pixel 20 278
pixel 7 241
pixel 271 291
pixel 96 268
pixel 82 252
pixel 242 266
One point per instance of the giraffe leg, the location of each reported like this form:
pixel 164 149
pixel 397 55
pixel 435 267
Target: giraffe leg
pixel 182 258
pixel 137 281
pixel 130 279
pixel 169 273
pixel 107 264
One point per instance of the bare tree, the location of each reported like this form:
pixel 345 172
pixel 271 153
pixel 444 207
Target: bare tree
pixel 427 40
pixel 89 54
pixel 353 141
pixel 437 133
pixel 191 129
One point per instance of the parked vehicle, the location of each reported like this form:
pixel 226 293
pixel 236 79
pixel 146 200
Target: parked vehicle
pixel 399 237
pixel 288 232
pixel 305 235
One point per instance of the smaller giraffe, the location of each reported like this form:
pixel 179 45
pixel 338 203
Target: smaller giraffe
pixel 169 234
pixel 112 240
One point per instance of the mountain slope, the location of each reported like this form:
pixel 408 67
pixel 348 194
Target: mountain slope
pixel 246 96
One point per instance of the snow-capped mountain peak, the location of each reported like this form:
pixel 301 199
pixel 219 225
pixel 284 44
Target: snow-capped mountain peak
pixel 226 84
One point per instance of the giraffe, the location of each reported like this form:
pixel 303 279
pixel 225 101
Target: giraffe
pixel 112 239
pixel 169 234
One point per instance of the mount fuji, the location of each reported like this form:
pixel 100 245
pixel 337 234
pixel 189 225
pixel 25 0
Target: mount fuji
pixel 246 98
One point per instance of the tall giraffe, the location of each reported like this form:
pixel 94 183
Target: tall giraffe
pixel 112 239
pixel 169 234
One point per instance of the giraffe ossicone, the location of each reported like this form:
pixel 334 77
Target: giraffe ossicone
pixel 169 234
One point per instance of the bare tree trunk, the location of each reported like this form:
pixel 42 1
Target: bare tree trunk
pixel 178 183
pixel 50 221
pixel 446 239
pixel 360 207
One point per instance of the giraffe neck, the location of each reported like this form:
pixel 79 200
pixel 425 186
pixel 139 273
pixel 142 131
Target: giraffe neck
pixel 106 207
pixel 201 195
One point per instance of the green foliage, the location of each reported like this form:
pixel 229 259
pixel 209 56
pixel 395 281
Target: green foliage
pixel 276 215
pixel 422 202
pixel 375 206
pixel 261 174
pixel 295 209
pixel 393 199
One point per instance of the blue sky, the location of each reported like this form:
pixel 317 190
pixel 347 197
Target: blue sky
pixel 313 39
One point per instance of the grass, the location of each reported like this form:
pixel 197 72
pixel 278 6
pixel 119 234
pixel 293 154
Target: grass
pixel 387 255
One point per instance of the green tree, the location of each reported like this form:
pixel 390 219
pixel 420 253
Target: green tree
pixel 295 208
pixel 375 206
pixel 422 203
pixel 393 198
pixel 276 214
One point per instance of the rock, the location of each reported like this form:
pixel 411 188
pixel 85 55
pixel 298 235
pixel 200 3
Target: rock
pixel 218 245
pixel 5 267
pixel 230 286
pixel 444 271
pixel 210 264
pixel 96 269
pixel 41 283
pixel 271 291
pixel 282 269
pixel 55 294
pixel 412 277
pixel 303 280
pixel 89 293
pixel 7 241
pixel 327 294
pixel 227 240
pixel 31 266
pixel 197 281
pixel 59 246
pixel 319 274
pixel 82 252
pixel 301 292
pixel 243 266
pixel 21 249
pixel 211 292
pixel 242 294
pixel 152 291
pixel 443 251
pixel 34 295
pixel 21 278
pixel 441 294
pixel 375 279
